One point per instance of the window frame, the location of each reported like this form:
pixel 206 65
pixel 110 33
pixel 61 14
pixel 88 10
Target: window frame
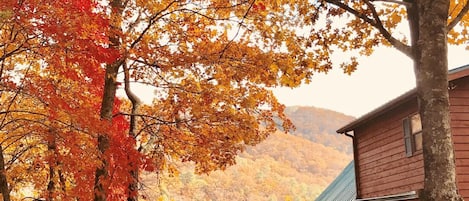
pixel 410 135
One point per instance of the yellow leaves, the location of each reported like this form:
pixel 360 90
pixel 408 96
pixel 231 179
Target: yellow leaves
pixel 5 15
pixel 288 198
pixel 455 7
pixel 273 68
pixel 183 47
pixel 350 67
pixel 458 35
pixel 394 19
pixel 210 79
pixel 285 80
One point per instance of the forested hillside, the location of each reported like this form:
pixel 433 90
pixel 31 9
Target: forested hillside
pixel 319 125
pixel 295 166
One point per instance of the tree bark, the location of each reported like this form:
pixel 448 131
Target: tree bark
pixel 107 104
pixel 433 96
pixel 103 139
pixel 56 185
pixel 4 189
pixel 134 171
pixel 53 163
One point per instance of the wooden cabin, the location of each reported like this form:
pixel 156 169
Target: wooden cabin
pixel 388 144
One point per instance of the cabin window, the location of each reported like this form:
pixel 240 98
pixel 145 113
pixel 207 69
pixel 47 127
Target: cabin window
pixel 412 134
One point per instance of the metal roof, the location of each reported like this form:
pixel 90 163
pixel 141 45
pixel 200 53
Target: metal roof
pixel 453 74
pixel 342 188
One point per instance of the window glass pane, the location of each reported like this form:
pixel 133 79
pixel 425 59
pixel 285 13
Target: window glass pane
pixel 416 123
pixel 407 137
pixel 418 141
pixel 408 146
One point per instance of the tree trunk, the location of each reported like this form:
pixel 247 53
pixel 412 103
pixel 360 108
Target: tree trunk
pixel 3 178
pixel 56 185
pixel 53 163
pixel 107 104
pixel 133 186
pixel 433 96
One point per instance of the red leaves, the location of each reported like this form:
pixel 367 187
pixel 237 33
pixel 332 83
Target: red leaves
pixel 106 55
pixel 210 103
pixel 260 6
pixel 83 5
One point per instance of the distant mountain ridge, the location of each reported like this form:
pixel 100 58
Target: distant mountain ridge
pixel 319 125
pixel 294 166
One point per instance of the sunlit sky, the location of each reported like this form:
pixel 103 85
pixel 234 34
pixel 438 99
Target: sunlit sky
pixel 381 77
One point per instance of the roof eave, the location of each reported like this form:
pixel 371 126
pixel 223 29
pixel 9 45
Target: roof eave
pixel 453 74
pixel 378 111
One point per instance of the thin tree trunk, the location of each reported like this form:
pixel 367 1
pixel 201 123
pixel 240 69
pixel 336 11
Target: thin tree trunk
pixel 51 146
pixel 432 88
pixel 54 169
pixel 3 178
pixel 133 186
pixel 107 104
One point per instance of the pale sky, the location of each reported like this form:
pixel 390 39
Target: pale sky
pixel 379 78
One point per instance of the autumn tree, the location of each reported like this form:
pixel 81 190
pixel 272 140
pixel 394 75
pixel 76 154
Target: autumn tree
pixel 46 133
pixel 210 63
pixel 360 26
pixel 51 80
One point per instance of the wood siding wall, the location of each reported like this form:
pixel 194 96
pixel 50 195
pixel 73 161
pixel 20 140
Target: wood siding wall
pixel 459 99
pixel 384 168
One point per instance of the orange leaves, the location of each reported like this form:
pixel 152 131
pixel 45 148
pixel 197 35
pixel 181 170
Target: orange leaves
pixel 54 60
pixel 210 81
pixel 209 63
pixel 349 68
pixel 458 35
pixel 395 17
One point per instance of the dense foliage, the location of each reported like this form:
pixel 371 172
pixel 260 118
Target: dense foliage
pixel 65 134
